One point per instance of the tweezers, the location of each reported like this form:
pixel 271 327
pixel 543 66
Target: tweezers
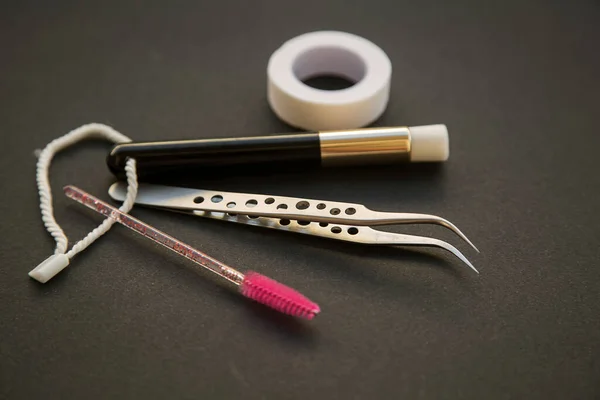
pixel 329 219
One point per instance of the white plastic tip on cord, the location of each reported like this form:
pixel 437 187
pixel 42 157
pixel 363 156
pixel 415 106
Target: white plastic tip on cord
pixel 49 268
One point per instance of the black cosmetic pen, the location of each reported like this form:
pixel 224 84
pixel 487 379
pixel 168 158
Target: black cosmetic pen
pixel 303 150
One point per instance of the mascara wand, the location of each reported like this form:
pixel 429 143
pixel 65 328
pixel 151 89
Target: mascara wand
pixel 252 284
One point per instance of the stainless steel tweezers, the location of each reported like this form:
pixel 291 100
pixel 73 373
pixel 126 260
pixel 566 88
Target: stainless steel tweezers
pixel 329 219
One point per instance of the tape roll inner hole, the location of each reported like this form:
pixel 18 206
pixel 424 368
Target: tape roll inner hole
pixel 329 68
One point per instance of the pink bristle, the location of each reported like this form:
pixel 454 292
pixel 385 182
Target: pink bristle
pixel 277 296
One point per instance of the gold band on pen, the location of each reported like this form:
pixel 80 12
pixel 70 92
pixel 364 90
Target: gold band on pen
pixel 365 146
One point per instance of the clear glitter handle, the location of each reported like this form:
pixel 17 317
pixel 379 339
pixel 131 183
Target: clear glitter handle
pixel 154 234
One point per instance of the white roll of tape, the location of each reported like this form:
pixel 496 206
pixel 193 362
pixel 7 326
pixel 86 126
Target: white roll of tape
pixel 328 53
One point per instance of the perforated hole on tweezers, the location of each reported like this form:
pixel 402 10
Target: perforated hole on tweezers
pixel 302 205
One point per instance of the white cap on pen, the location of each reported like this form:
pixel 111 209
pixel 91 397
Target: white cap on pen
pixel 429 143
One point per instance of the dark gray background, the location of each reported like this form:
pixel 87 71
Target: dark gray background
pixel 517 84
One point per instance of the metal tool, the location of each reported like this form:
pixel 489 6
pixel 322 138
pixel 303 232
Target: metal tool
pixel 329 219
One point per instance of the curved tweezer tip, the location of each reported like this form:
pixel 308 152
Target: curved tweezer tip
pixel 408 218
pixel 445 246
pixel 452 227
pixel 457 253
pixel 399 239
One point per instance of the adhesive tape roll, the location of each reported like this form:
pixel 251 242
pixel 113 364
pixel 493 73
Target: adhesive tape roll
pixel 328 53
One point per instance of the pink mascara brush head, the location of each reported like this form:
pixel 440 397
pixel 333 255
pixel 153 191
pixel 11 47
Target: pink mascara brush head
pixel 277 296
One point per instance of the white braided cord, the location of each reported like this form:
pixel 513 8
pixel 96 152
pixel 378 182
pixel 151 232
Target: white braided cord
pixel 43 165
